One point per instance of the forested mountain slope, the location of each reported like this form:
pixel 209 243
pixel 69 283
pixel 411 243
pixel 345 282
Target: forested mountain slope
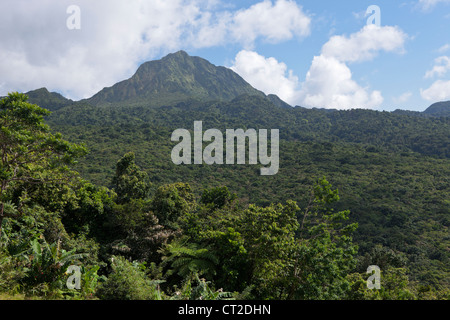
pixel 391 169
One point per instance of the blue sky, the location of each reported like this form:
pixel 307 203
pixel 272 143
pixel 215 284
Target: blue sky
pixel 310 53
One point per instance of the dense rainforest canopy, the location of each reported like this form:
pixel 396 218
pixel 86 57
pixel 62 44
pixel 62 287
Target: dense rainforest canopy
pixel 111 202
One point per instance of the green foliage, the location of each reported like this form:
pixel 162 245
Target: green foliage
pixel 200 240
pixel 185 260
pixel 196 288
pixel 48 100
pixel 391 169
pixel 382 257
pixel 171 202
pixel 10 273
pixel 394 285
pixel 127 281
pixel 46 263
pixel 269 250
pixel 216 198
pixel 29 152
pixel 135 231
pixel 325 252
pixel 90 281
pixel 129 182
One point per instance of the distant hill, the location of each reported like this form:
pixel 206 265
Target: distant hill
pixel 439 109
pixel 48 100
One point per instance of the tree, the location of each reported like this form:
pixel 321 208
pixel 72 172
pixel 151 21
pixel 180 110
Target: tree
pixel 216 198
pixel 325 252
pixel 172 202
pixel 186 259
pixel 269 237
pixel 129 182
pixel 29 153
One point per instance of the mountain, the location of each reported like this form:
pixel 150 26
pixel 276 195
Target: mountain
pixel 49 100
pixel 439 109
pixel 174 78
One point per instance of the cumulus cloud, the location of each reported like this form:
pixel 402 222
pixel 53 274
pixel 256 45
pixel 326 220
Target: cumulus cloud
pixel 329 80
pixel 329 84
pixel 438 91
pixel 267 75
pixel 274 22
pixel 441 67
pixel 37 49
pixel 365 44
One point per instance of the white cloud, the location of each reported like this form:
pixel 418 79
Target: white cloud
pixel 402 98
pixel 444 48
pixel 365 44
pixel 441 67
pixel 329 84
pixel 329 80
pixel 438 91
pixel 267 75
pixel 429 4
pixel 37 49
pixel 274 22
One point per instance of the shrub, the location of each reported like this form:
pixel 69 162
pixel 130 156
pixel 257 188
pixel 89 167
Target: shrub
pixel 127 281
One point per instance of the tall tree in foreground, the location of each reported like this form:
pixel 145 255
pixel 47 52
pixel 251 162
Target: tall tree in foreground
pixel 29 153
pixel 325 252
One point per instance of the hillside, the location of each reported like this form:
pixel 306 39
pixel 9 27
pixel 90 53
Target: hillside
pixel 391 170
pixel 439 109
pixel 48 100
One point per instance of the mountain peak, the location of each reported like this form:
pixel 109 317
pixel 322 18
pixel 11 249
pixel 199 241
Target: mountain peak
pixel 174 78
pixel 180 53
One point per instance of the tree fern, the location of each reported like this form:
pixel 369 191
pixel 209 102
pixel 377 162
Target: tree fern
pixel 185 260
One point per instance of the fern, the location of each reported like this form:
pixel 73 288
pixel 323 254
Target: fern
pixel 186 260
